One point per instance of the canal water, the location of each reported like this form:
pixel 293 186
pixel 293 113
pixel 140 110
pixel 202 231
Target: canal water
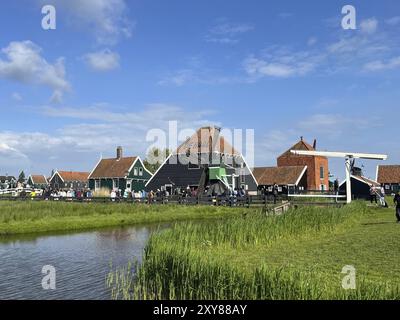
pixel 81 262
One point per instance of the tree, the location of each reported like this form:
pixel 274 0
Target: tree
pixel 155 157
pixel 21 177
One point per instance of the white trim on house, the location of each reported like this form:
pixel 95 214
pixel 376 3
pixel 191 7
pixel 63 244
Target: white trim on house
pixel 95 167
pixel 361 180
pixel 145 167
pixel 301 176
pixel 56 172
pixel 251 171
pixel 165 161
pixel 131 167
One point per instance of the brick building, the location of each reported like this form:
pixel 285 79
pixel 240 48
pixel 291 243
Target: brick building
pixel 317 167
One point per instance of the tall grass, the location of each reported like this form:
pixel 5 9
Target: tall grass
pixel 180 263
pixel 31 216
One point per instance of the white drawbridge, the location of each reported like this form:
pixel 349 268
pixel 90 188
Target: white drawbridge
pixel 348 156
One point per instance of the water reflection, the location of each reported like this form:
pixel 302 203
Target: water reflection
pixel 82 261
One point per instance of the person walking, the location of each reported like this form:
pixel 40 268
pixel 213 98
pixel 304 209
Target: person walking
pixel 372 194
pixel 336 187
pixel 275 192
pixel 396 201
pixel 150 197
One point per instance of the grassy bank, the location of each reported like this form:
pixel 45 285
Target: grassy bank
pixel 299 255
pixel 34 217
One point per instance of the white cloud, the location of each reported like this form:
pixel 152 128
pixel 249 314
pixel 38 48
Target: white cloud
pixel 369 26
pixel 96 129
pixel 11 158
pixel 348 52
pixel 394 21
pixel 231 29
pixel 311 41
pixel 153 115
pixel 25 64
pixel 16 96
pixel 379 65
pixel 279 66
pixel 179 78
pixel 326 103
pixel 102 61
pixel 358 46
pixel 222 40
pixel 197 74
pixel 6 149
pixel 227 33
pixel 335 125
pixel 106 19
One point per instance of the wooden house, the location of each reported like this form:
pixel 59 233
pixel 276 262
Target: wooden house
pixel 119 173
pixel 360 186
pixel 37 181
pixel 388 176
pixel 289 179
pixel 65 180
pixel 205 162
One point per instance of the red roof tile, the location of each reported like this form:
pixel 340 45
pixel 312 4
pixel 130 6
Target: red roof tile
pixel 113 168
pixel 38 179
pixel 301 145
pixel 389 174
pixel 279 175
pixel 73 176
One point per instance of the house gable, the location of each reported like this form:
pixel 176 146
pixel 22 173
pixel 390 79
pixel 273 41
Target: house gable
pixel 313 163
pixel 205 144
pixel 139 171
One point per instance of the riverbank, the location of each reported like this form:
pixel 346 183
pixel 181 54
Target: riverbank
pixel 299 255
pixel 37 217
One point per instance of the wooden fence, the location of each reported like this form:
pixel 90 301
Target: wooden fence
pixel 269 203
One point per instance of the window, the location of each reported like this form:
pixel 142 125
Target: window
pixel 242 176
pixel 140 171
pixel 128 184
pixel 321 173
pixel 322 187
pixel 135 171
pixel 115 184
pixel 97 184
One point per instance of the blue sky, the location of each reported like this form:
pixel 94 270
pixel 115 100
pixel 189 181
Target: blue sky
pixel 112 70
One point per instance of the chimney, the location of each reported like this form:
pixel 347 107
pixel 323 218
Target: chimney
pixel 315 144
pixel 119 153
